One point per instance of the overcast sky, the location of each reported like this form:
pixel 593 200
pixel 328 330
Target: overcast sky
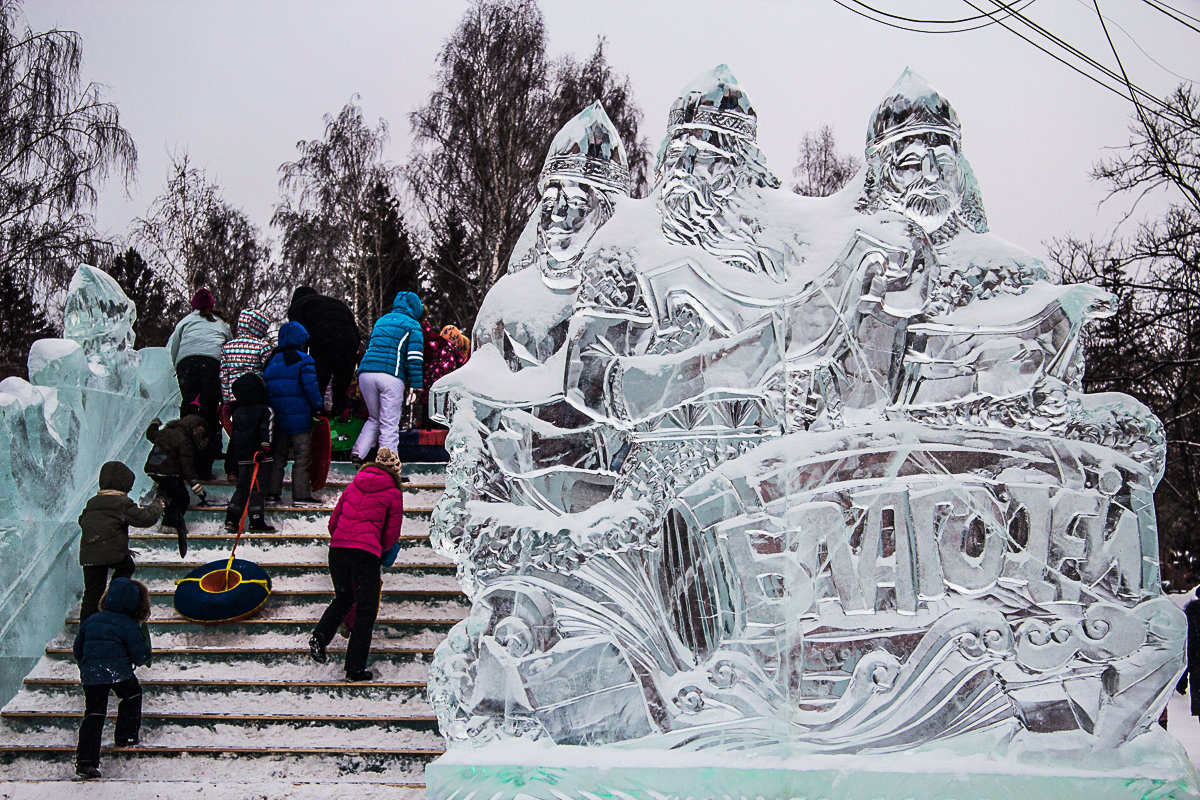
pixel 236 83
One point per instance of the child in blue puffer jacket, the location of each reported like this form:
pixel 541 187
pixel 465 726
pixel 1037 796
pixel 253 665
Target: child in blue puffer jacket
pixel 108 646
pixel 294 396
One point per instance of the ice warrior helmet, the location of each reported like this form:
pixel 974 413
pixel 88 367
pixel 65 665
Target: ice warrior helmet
pixel 585 170
pixel 915 161
pixel 713 102
pixel 588 149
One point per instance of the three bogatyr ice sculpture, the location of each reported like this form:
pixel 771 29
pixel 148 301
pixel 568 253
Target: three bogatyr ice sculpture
pixel 736 468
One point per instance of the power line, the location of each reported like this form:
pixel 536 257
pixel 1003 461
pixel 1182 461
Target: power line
pixel 916 20
pixel 1143 51
pixel 1170 11
pixel 991 19
pixel 1006 11
pixel 1152 136
pixel 1161 105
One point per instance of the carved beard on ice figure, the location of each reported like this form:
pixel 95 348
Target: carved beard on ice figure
pixel 706 200
pixel 921 179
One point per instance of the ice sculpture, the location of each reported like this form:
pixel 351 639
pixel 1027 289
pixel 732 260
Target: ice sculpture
pixel 87 401
pixel 780 476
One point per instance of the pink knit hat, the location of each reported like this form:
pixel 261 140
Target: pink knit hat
pixel 202 300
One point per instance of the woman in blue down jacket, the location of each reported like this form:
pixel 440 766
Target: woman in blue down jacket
pixel 292 392
pixel 394 361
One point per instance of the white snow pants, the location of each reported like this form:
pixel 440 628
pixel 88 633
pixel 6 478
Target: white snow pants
pixel 384 396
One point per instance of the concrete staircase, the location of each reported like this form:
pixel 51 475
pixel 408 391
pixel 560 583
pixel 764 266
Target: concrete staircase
pixel 240 710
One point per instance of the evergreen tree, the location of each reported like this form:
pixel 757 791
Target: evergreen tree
pixel 451 273
pixel 21 324
pixel 157 306
pixel 390 264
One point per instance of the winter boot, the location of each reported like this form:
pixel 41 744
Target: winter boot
pixel 260 525
pixel 86 774
pixel 360 675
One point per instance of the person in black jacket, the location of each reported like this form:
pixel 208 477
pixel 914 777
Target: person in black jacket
pixel 249 444
pixel 1192 672
pixel 104 533
pixel 333 340
pixel 172 465
pixel 107 648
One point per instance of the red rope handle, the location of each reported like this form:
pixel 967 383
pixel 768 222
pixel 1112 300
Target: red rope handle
pixel 245 509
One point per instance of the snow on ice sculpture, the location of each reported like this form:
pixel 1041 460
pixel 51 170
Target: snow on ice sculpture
pixel 796 475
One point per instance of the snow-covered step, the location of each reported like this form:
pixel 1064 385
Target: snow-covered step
pixel 243 705
pixel 260 764
pixel 279 698
pixel 311 575
pixel 249 636
pixel 232 730
pixel 161 787
pixel 415 496
pixel 394 665
pixel 409 603
pixel 294 531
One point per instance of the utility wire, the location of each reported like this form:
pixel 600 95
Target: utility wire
pixel 1079 54
pixel 1151 133
pixel 916 20
pixel 1162 107
pixel 1143 51
pixel 1169 11
pixel 991 19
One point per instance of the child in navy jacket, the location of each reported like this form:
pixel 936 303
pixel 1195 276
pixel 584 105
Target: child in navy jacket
pixel 294 395
pixel 107 648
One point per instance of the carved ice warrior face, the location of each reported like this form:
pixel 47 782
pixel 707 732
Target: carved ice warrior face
pixel 699 186
pixel 571 213
pixel 922 179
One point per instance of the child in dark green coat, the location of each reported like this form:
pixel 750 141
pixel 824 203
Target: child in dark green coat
pixel 104 531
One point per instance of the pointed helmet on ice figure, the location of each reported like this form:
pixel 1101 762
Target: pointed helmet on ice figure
pixel 585 171
pixel 716 108
pixel 915 162
pixel 588 149
pixel 709 173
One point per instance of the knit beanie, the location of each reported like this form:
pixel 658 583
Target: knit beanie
pixel 386 457
pixel 461 343
pixel 202 300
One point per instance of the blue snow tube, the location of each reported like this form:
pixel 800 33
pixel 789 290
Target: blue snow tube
pixel 222 591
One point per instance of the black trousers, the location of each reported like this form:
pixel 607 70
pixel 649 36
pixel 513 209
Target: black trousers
pixel 335 360
pixel 200 393
pixel 356 579
pixel 175 491
pixel 129 718
pixel 95 581
pixel 246 496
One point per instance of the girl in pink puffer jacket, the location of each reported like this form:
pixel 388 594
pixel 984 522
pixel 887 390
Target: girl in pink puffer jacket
pixel 364 526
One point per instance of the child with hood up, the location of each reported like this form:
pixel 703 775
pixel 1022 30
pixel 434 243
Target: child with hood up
pixel 292 391
pixel 104 531
pixel 172 465
pixel 107 648
pixel 249 445
pixel 247 352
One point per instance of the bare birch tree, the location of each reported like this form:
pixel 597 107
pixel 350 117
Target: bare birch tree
pixel 328 214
